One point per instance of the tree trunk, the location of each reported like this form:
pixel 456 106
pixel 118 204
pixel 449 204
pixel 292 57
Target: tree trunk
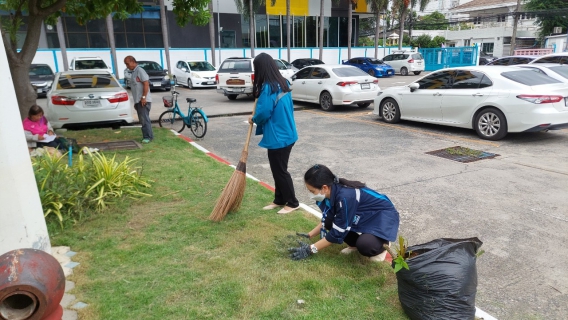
pixel 62 43
pixel 514 35
pixel 165 36
pixel 321 26
pixel 349 28
pixel 401 28
pixel 252 32
pixel 212 32
pixel 20 64
pixel 288 29
pixel 377 25
pixel 110 29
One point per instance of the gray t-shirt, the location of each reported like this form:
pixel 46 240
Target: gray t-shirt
pixel 137 79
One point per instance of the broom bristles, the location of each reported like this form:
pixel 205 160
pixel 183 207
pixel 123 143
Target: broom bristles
pixel 232 196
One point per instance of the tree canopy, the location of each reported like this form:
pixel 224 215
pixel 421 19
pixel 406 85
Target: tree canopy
pixel 433 21
pixel 549 17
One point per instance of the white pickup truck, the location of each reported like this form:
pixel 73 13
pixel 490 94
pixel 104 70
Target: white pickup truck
pixel 235 76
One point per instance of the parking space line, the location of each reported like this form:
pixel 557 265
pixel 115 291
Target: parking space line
pixel 493 144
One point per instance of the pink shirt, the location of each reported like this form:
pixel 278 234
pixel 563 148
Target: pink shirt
pixel 39 127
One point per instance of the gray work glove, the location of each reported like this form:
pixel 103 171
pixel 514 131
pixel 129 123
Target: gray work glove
pixel 301 252
pixel 305 235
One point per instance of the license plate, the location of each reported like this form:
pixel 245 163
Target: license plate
pixel 91 103
pixel 211 82
pixel 156 84
pixel 38 90
pixel 365 86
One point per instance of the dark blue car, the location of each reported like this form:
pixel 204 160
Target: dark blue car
pixel 374 67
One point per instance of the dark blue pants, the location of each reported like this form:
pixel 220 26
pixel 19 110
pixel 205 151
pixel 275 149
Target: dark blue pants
pixel 144 118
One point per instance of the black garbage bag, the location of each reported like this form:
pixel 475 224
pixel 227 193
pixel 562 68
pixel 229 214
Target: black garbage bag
pixel 442 280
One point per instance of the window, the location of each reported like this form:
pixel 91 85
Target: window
pixel 529 78
pixel 502 18
pixel 375 61
pixel 280 65
pixel 354 61
pixel 552 59
pixel 518 60
pixel 202 66
pixel 236 66
pixel 86 80
pixel 303 74
pixel 501 62
pixel 349 72
pixel 320 73
pixel 477 20
pixel 485 82
pixel 387 58
pixel 466 79
pixel 561 70
pixel 40 70
pixel 361 61
pixel 438 80
pixel 487 47
pixel 417 56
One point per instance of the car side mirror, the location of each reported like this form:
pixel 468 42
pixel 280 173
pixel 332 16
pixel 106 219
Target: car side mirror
pixel 413 86
pixel 184 69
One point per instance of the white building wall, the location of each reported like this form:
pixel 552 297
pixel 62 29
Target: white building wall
pixel 558 43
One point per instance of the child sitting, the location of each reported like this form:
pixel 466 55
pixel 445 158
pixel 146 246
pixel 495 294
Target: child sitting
pixel 38 129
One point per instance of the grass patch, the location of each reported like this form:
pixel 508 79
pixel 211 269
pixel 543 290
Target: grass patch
pixel 161 258
pixel 463 151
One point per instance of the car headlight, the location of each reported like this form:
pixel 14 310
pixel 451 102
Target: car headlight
pixel 195 75
pixel 49 83
pixel 166 77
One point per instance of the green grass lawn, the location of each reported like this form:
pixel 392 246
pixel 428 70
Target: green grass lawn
pixel 160 257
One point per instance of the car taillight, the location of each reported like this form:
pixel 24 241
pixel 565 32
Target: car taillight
pixel 252 77
pixel 346 83
pixel 411 61
pixel 376 81
pixel 62 101
pixel 539 99
pixel 119 97
pixel 217 78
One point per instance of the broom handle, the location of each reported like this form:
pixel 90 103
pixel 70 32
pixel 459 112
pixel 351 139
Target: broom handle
pixel 250 129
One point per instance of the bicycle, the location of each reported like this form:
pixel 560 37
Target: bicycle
pixel 176 120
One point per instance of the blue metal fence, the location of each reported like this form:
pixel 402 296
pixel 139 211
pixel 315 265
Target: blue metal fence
pixel 439 58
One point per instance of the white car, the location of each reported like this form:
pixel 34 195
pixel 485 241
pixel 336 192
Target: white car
pixel 194 73
pixel 333 85
pixel 561 57
pixel 286 69
pixel 553 70
pixel 492 100
pixel 404 62
pixel 87 97
pixel 88 63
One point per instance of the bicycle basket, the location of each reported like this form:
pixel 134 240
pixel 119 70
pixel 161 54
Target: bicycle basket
pixel 168 101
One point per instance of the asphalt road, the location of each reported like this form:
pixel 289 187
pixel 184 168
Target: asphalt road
pixel 516 203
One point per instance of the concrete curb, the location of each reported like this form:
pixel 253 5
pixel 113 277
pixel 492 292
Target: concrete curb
pixel 479 314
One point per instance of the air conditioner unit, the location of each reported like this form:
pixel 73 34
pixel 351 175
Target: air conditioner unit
pixel 557 30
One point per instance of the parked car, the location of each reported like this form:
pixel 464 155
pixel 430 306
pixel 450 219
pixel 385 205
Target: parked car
pixel 88 63
pixel 485 58
pixel 333 85
pixel 491 100
pixel 374 67
pixel 235 76
pixel 41 77
pixel 286 69
pixel 512 60
pixel 300 63
pixel 405 61
pixel 87 97
pixel 159 78
pixel 195 73
pixel 561 58
pixel 553 70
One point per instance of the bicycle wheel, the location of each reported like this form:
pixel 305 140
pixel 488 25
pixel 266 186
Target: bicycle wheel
pixel 198 124
pixel 171 120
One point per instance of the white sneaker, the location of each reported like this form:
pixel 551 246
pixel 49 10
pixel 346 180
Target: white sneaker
pixel 379 257
pixel 348 250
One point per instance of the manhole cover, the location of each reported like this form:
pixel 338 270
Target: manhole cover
pixel 461 154
pixel 114 145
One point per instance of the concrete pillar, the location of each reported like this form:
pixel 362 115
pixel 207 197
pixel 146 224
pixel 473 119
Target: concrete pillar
pixel 22 224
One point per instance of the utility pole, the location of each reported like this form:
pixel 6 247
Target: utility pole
pixel 165 36
pixel 515 22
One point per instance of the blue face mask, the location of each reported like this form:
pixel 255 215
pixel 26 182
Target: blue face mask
pixel 317 197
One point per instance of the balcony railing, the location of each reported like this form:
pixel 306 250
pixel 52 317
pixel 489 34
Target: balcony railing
pixel 532 52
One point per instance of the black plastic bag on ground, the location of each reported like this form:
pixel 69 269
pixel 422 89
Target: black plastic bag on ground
pixel 442 280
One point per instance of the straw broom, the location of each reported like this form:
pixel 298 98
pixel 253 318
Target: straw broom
pixel 232 195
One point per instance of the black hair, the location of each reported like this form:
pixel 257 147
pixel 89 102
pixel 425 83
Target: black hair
pixel 34 110
pixel 319 175
pixel 131 58
pixel 266 71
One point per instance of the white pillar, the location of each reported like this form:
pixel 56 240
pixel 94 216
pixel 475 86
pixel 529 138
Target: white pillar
pixel 22 224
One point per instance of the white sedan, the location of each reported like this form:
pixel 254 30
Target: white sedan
pixel 334 85
pixel 492 100
pixel 87 97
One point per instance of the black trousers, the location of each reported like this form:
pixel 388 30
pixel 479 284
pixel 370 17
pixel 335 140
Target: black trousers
pixel 284 186
pixel 367 244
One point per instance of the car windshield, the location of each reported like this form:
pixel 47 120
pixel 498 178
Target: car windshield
pixel 286 63
pixel 86 81
pixel 349 72
pixel 314 62
pixel 201 66
pixel 375 61
pixel 90 64
pixel 529 77
pixel 40 71
pixel 150 66
pixel 561 70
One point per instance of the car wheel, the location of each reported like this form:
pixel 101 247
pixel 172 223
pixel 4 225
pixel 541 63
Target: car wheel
pixel 364 105
pixel 189 83
pixel 232 96
pixel 403 71
pixel 326 101
pixel 390 111
pixel 491 124
pixel 371 72
pixel 417 73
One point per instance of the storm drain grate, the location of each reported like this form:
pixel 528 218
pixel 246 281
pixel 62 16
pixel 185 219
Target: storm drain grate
pixel 462 154
pixel 114 145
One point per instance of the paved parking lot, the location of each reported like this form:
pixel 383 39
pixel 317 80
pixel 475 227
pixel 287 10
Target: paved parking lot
pixel 516 203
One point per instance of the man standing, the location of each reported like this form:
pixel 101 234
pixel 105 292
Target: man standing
pixel 140 86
